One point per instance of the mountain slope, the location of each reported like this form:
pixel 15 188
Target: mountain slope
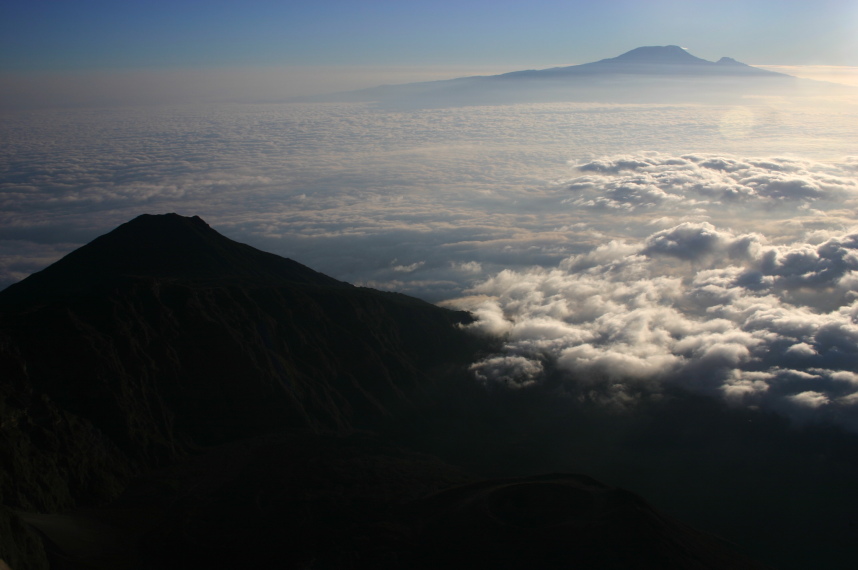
pixel 167 296
pixel 169 247
pixel 171 398
pixel 164 335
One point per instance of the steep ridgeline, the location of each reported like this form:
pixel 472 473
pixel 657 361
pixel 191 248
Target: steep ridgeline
pixel 163 335
pixel 170 398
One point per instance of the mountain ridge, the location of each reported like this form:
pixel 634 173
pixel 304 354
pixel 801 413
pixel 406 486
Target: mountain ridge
pixel 145 361
pixel 267 416
pixel 167 246
pixel 652 54
pixel 643 74
pixel 653 60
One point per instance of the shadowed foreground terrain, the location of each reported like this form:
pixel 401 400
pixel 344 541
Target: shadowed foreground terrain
pixel 303 500
pixel 173 399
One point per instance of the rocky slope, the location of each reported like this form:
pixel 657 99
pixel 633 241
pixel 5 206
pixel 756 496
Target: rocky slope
pixel 163 336
pixel 173 399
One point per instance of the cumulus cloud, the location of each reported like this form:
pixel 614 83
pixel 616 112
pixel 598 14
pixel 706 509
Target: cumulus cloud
pixel 755 323
pixel 407 268
pixel 633 182
pixel 511 371
pixel 468 266
pixel 740 384
pixel 810 399
pixel 701 241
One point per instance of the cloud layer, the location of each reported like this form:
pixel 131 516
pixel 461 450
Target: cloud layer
pixel 721 256
pixel 628 183
pixel 349 188
pixel 759 324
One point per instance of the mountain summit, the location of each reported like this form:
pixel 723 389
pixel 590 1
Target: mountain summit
pixel 673 55
pixel 167 246
pixel 672 60
pixel 655 61
pixel 658 54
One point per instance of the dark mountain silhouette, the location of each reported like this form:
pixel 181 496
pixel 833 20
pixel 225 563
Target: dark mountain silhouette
pixel 173 399
pixel 168 247
pixel 645 74
pixel 163 335
pixel 207 333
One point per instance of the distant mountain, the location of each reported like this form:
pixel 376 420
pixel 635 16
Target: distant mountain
pixel 676 56
pixel 645 74
pixel 654 61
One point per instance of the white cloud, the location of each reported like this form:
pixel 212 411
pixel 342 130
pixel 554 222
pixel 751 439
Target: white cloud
pixel 511 371
pixel 468 266
pixel 655 180
pixel 740 385
pixel 802 349
pixel 810 399
pixel 614 317
pixel 845 376
pixel 408 268
pixel 704 261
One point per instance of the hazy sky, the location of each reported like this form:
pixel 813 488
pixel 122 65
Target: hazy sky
pixel 711 243
pixel 155 51
pixel 99 34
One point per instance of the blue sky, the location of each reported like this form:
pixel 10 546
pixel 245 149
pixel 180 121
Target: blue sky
pixel 48 35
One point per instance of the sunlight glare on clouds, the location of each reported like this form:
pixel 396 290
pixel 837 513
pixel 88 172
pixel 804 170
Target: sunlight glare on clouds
pixel 737 123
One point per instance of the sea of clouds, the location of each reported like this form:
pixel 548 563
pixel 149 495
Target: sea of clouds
pixel 712 247
pixel 760 318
